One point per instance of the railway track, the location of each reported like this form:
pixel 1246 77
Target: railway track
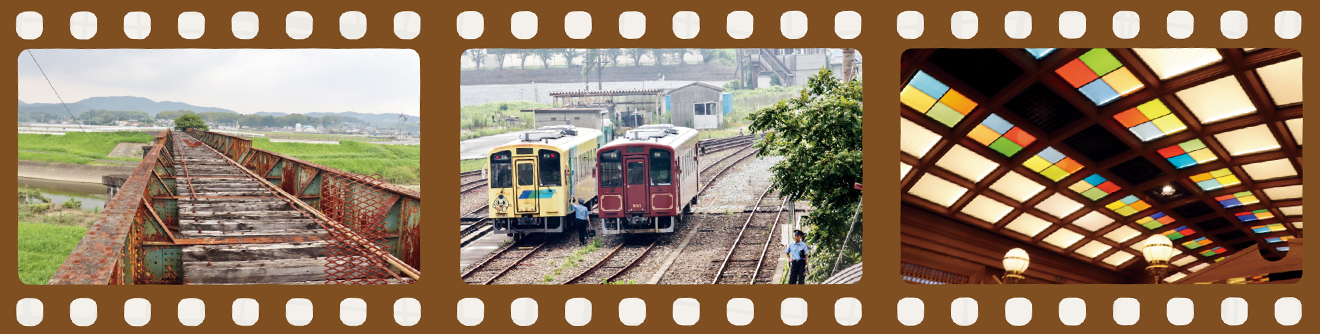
pixel 498 264
pixel 477 226
pixel 622 258
pixel 744 264
pixel 709 146
pixel 746 152
pixel 470 186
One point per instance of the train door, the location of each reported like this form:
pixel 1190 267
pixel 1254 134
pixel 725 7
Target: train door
pixel 634 192
pixel 528 193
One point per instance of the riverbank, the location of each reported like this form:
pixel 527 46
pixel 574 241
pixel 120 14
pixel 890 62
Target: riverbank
pixel 69 172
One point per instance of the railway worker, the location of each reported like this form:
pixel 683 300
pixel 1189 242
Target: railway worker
pixel 581 217
pixel 797 252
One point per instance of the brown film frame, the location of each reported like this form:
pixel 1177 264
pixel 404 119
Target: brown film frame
pixel 438 41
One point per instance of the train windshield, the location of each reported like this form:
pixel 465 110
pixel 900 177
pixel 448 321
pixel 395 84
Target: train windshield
pixel 636 175
pixel 611 169
pixel 501 170
pixel 660 162
pixel 550 168
pixel 526 174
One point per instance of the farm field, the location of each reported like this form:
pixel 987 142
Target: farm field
pixel 399 164
pixel 81 148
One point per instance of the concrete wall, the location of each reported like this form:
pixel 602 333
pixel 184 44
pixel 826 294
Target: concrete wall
pixel 515 75
pixel 585 119
pixel 69 172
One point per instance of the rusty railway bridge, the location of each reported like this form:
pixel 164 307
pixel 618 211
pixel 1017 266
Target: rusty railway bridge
pixel 208 208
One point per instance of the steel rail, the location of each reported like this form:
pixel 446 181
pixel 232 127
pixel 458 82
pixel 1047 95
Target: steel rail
pixel 476 267
pixel 770 236
pixel 633 262
pixel 725 264
pixel 466 187
pixel 182 161
pixel 721 173
pixel 367 245
pixel 514 264
pixel 594 266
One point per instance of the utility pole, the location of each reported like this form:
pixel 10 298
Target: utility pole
pixel 848 64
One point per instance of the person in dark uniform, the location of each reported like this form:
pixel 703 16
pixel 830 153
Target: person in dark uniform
pixel 797 253
pixel 581 219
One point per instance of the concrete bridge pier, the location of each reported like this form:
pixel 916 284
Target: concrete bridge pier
pixel 112 183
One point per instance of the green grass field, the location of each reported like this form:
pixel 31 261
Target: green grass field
pixel 42 248
pixel 76 147
pixel 471 165
pixel 475 121
pixel 318 136
pixel 399 164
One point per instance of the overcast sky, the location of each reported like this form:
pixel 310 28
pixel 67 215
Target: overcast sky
pixel 242 80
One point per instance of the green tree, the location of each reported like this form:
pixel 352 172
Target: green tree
pixel 522 57
pixel 636 55
pixel 612 56
pixel 819 134
pixel 544 55
pixel 190 121
pixel 500 55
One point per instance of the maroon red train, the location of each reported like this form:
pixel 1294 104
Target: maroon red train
pixel 647 179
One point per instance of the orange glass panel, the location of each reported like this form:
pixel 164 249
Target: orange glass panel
pixel 1076 73
pixel 958 102
pixel 983 135
pixel 1131 117
pixel 1069 165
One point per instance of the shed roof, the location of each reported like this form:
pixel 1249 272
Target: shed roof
pixel 697 83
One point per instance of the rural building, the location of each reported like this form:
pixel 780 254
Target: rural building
pixel 697 105
pixel 586 117
pixel 646 103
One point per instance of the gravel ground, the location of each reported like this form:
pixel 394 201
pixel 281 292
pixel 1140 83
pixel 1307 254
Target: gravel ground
pixel 472 200
pixel 701 258
pixel 544 262
pixel 738 188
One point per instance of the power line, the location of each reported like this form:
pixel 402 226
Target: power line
pixel 57 93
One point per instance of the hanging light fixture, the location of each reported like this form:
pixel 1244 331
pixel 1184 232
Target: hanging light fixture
pixel 1157 251
pixel 1167 190
pixel 1015 263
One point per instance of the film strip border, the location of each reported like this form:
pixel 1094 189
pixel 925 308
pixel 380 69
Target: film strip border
pixel 83 25
pixel 910 26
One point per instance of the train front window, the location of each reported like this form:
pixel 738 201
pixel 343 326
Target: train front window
pixel 611 169
pixel 526 174
pixel 636 175
pixel 501 170
pixel 660 163
pixel 550 168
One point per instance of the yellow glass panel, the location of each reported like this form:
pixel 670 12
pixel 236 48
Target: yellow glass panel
pixel 1080 186
pixel 1169 124
pixel 915 99
pixel 1116 205
pixel 1201 177
pixel 983 135
pixel 1222 172
pixel 1229 181
pixel 1037 164
pixel 1203 156
pixel 1123 81
pixel 1249 200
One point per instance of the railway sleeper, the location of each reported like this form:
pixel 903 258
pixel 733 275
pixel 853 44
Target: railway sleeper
pixel 243 252
pixel 185 214
pixel 261 271
pixel 246 225
pixel 194 234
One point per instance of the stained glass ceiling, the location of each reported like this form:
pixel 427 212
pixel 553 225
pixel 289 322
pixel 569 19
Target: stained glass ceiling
pixel 1091 151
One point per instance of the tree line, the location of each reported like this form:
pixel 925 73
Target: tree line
pixel 605 57
pixel 262 121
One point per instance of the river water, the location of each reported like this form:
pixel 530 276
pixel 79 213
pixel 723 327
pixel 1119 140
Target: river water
pixel 92 195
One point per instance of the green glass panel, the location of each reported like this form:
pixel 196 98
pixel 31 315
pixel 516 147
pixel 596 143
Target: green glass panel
pixel 1128 211
pixel 1242 194
pixel 1054 173
pixel 1192 145
pixel 1175 236
pixel 1100 61
pixel 945 114
pixel 1005 147
pixel 1094 194
pixel 1151 225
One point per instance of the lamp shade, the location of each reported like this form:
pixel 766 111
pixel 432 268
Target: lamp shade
pixel 1016 261
pixel 1158 248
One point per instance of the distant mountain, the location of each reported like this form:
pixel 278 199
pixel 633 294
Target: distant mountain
pixel 116 103
pixel 374 119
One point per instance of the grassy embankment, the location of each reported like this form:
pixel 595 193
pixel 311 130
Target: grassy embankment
pixel 47 233
pixel 318 136
pixel 78 148
pixel 475 121
pixel 399 164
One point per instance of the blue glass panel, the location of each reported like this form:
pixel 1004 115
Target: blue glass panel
pixel 928 85
pixel 1099 92
pixel 994 122
pixel 1147 131
pixel 1182 161
pixel 1040 53
pixel 1051 155
pixel 1095 179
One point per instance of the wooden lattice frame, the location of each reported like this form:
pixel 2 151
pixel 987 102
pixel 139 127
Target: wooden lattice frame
pixel 1235 62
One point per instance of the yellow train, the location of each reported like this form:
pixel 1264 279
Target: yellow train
pixel 533 178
